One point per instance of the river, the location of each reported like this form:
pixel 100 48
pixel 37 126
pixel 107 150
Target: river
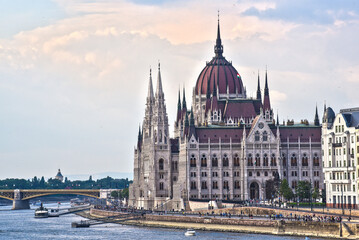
pixel 21 225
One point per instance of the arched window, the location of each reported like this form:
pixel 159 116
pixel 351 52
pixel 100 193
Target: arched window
pixel 265 136
pixel 250 160
pixel 236 160
pixel 225 160
pixel 257 161
pixel 193 161
pixel 161 164
pixel 203 161
pixel 214 160
pixel 304 160
pixel 160 136
pixel 284 160
pixel 316 160
pixel 273 160
pixel 293 160
pixel 265 160
pixel 256 136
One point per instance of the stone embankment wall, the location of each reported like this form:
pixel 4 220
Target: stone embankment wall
pixel 263 226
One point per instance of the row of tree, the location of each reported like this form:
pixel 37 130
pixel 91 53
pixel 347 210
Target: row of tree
pixel 303 191
pixel 40 183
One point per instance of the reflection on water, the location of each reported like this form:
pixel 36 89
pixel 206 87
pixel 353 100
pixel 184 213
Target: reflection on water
pixel 21 224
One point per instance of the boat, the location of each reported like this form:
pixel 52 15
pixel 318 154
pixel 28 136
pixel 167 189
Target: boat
pixel 41 212
pixel 190 232
pixel 54 213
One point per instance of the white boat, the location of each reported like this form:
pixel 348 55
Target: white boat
pixel 190 232
pixel 54 213
pixel 41 212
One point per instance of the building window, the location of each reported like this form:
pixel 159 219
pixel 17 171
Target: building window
pixel 214 174
pixel 304 160
pixel 294 184
pixel 214 160
pixel 273 161
pixel 257 161
pixel 293 160
pixel 256 136
pixel 203 161
pixel 193 185
pixel 250 160
pixel 193 161
pixel 204 185
pixel 258 174
pixel 316 160
pixel 161 185
pixel 161 164
pixel 225 160
pixel 237 185
pixel 266 173
pixel 265 136
pixel 250 174
pixel 214 185
pixel 236 160
pixel 225 185
pixel 265 160
pixel 284 160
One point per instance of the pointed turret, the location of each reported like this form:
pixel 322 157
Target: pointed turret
pixel 150 87
pixel 259 95
pixel 266 102
pixel 277 123
pixel 139 139
pixel 316 118
pixel 184 104
pixel 218 48
pixel 325 108
pixel 186 122
pixel 179 107
pixel 159 91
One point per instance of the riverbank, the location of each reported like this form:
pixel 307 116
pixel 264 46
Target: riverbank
pixel 258 226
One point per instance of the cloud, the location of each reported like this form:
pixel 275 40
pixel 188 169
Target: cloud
pixel 74 90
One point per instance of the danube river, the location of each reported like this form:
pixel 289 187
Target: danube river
pixel 21 224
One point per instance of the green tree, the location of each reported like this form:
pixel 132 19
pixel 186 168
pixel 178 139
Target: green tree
pixel 303 190
pixel 285 190
pixel 125 193
pixel 315 194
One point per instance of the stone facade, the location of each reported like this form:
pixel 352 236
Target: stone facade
pixel 226 147
pixel 340 141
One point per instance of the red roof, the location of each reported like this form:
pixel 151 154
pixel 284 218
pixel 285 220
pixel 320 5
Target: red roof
pixel 220 72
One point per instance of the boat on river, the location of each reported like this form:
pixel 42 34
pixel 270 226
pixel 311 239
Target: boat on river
pixel 190 232
pixel 41 212
pixel 54 213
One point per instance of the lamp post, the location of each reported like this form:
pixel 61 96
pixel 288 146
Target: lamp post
pixel 342 199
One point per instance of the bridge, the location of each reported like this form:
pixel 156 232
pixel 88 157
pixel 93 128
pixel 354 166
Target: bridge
pixel 21 197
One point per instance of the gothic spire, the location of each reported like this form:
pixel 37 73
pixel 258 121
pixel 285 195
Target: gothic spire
pixel 150 87
pixel 191 121
pixel 159 82
pixel 259 96
pixel 316 118
pixel 218 48
pixel 186 122
pixel 179 106
pixel 277 123
pixel 266 101
pixel 184 105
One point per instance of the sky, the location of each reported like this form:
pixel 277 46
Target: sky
pixel 74 73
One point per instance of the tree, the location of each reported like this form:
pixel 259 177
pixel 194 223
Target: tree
pixel 285 190
pixel 90 178
pixel 303 190
pixel 42 182
pixel 315 194
pixel 115 194
pixel 125 193
pixel 324 196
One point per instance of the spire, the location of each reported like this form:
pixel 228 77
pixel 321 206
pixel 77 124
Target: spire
pixel 186 122
pixel 159 82
pixel 139 140
pixel 179 106
pixel 259 97
pixel 150 87
pixel 191 122
pixel 184 105
pixel 316 118
pixel 277 123
pixel 266 101
pixel 218 48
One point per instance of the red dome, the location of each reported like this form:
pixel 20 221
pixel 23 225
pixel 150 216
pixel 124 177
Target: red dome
pixel 220 72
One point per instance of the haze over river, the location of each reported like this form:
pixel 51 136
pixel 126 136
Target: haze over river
pixel 21 224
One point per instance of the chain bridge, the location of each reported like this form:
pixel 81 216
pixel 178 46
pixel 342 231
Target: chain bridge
pixel 21 197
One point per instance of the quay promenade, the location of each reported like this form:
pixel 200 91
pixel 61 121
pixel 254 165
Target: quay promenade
pixel 248 220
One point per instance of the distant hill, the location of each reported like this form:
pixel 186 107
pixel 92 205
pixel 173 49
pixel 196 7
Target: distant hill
pixel 96 176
